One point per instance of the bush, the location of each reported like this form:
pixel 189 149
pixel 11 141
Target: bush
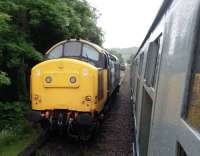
pixel 4 79
pixel 12 115
pixel 7 137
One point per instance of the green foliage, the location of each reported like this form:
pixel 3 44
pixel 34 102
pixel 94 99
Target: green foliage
pixel 127 53
pixel 119 56
pixel 4 79
pixel 29 28
pixel 12 113
pixel 130 60
pixel 12 143
pixel 6 137
pixel 4 18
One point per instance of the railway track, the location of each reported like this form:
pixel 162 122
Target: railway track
pixel 114 137
pixel 56 145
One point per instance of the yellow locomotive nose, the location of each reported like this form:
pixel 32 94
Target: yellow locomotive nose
pixel 64 84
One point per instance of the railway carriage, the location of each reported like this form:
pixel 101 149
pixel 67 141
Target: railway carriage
pixel 165 83
pixel 71 87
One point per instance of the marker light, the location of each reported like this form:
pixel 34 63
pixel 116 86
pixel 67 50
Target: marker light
pixel 36 97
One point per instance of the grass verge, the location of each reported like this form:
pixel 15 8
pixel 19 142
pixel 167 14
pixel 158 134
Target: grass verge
pixel 14 141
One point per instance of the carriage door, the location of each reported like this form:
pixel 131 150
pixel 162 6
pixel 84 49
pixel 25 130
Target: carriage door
pixel 149 92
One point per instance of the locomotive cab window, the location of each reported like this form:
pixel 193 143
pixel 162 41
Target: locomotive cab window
pixel 78 50
pixel 57 52
pixel 90 53
pixel 93 57
pixel 72 49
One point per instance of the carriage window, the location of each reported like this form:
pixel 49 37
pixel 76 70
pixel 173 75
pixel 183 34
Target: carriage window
pixel 152 63
pixel 193 112
pixel 141 63
pixel 72 49
pixel 180 150
pixel 91 53
pixel 56 52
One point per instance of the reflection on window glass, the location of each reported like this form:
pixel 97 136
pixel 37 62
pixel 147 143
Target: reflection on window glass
pixel 72 49
pixel 90 53
pixel 151 65
pixel 56 52
pixel 193 115
pixel 193 112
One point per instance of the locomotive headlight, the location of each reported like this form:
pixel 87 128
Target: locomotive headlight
pixel 48 79
pixel 72 79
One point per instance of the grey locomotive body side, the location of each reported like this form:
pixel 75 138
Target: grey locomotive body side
pixel 161 75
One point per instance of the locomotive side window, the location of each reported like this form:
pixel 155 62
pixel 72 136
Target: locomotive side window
pixel 193 112
pixel 90 53
pixel 102 63
pixel 152 63
pixel 56 52
pixel 93 56
pixel 72 49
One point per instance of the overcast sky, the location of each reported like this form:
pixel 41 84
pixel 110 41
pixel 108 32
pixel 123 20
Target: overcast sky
pixel 125 22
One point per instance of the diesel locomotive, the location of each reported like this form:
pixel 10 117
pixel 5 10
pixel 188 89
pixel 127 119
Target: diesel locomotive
pixel 71 87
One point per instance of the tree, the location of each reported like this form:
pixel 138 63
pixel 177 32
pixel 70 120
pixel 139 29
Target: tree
pixel 4 18
pixel 119 56
pixel 29 28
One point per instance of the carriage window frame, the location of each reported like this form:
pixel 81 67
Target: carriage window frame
pixel 191 110
pixel 141 62
pixel 180 151
pixel 136 75
pixel 152 63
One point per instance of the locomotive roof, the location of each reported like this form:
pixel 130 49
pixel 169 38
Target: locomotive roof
pixel 98 48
